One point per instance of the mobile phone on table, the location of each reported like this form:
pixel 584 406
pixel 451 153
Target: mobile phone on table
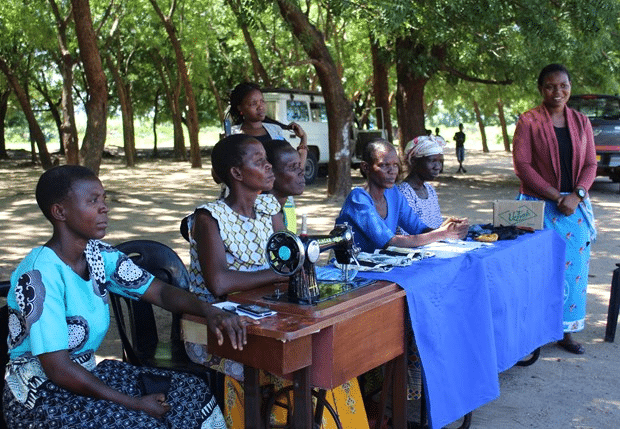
pixel 255 310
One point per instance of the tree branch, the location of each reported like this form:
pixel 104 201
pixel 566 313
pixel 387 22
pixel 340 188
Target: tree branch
pixel 467 78
pixel 173 7
pixel 105 17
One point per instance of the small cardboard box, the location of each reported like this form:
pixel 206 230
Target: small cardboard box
pixel 521 213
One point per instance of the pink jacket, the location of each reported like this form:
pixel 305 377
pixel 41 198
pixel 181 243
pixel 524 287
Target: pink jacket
pixel 535 151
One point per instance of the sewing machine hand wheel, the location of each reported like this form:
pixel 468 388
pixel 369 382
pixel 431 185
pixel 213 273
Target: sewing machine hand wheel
pixel 285 253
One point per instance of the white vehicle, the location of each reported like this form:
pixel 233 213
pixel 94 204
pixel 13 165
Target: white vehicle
pixel 308 109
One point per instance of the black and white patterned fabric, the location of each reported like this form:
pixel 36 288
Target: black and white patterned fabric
pixel 192 404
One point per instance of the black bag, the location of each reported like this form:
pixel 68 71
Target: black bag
pixel 153 383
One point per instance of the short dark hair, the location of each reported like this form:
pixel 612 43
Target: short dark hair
pixel 237 95
pixel 228 153
pixel 275 149
pixel 54 185
pixel 549 69
pixel 368 155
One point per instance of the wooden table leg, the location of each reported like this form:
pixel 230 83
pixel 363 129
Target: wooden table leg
pixel 302 397
pixel 252 416
pixel 399 391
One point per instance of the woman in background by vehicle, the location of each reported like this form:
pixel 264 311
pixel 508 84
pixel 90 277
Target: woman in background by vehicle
pixel 555 159
pixel 247 109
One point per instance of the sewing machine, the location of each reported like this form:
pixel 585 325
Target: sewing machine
pixel 295 256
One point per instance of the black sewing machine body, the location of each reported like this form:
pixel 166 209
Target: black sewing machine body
pixel 295 256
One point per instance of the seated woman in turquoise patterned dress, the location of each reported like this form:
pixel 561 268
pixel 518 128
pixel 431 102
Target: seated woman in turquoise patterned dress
pixel 228 238
pixel 59 314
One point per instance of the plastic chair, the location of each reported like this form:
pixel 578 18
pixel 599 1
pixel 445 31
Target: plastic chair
pixel 4 348
pixel 614 306
pixel 144 348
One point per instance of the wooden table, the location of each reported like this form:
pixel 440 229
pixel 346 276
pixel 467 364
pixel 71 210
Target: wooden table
pixel 319 346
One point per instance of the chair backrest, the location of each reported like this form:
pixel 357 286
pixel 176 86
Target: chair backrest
pixel 161 261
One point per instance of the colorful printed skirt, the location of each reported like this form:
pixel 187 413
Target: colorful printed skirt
pixel 578 233
pixel 192 404
pixel 345 400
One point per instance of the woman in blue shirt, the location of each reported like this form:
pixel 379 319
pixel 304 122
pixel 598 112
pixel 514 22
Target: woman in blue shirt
pixel 376 210
pixel 59 314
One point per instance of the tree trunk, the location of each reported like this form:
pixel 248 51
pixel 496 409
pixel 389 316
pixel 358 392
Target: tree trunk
pixel 339 110
pixel 33 149
pixel 502 121
pixel 4 104
pixel 483 134
pixel 218 98
pixel 124 98
pixel 155 114
pixel 381 89
pixel 97 104
pixel 36 134
pixel 409 90
pixel 409 104
pixel 193 127
pixel 69 133
pixel 257 65
pixel 177 124
pixel 172 97
pixel 68 129
pixel 53 110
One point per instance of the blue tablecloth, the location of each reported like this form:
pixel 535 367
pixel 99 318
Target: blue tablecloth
pixel 477 314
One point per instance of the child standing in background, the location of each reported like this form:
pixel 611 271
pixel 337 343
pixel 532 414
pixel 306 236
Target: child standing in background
pixel 459 137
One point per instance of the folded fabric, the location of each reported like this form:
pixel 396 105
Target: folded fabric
pixel 384 260
pixel 451 248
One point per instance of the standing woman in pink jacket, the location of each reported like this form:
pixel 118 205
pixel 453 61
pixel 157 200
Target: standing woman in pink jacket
pixel 555 160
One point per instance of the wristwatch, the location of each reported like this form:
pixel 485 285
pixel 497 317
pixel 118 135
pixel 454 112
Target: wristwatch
pixel 581 193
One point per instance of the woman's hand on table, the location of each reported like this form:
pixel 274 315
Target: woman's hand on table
pixel 221 322
pixel 455 228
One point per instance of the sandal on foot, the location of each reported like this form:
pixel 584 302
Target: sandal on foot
pixel 572 347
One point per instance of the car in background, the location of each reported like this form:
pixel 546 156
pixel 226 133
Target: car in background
pixel 309 111
pixel 604 114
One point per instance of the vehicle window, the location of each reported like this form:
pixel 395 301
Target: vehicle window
pixel 270 109
pixel 605 108
pixel 319 112
pixel 297 111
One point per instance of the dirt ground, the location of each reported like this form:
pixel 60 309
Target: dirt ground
pixel 559 391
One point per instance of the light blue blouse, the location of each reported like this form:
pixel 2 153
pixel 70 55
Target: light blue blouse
pixel 52 308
